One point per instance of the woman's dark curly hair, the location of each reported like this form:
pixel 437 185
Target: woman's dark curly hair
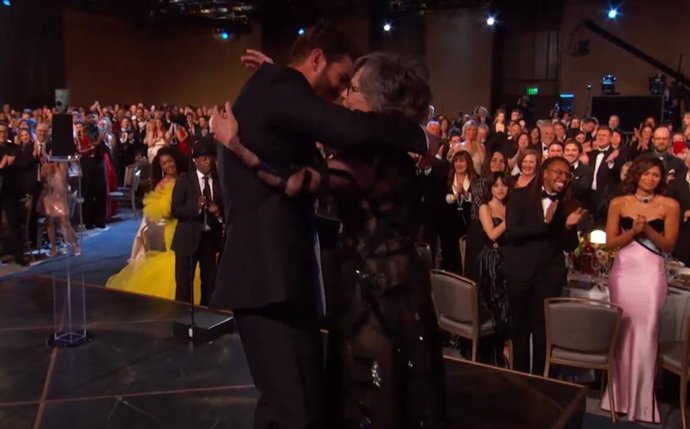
pixel 490 180
pixel 181 163
pixel 639 166
pixel 393 84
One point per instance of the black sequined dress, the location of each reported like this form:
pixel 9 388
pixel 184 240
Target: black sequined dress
pixel 385 348
pixel 493 293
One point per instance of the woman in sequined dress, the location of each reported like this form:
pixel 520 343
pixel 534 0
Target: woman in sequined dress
pixel 385 351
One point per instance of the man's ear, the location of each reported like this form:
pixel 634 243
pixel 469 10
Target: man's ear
pixel 317 59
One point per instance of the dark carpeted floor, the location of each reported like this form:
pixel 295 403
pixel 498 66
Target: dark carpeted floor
pixel 105 252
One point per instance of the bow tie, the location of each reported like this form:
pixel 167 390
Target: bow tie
pixel 552 197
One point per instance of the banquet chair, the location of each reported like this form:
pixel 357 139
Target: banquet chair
pixel 582 333
pixel 128 192
pixel 153 236
pixel 673 357
pixel 456 299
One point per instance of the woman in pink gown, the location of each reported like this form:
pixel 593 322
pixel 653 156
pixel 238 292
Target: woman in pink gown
pixel 643 226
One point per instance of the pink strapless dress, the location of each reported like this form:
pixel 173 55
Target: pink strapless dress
pixel 638 285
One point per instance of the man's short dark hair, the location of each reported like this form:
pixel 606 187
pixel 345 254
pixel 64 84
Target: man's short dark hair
pixel 604 128
pixel 334 43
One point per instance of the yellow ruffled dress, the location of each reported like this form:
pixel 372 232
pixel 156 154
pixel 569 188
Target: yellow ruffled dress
pixel 154 274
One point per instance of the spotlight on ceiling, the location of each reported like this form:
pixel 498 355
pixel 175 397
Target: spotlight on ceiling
pixel 225 35
pixel 613 13
pixel 491 20
pixel 387 27
pixel 301 31
pixel 7 3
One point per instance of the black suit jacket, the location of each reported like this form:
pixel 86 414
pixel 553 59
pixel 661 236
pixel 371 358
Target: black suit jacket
pixel 581 182
pixel 606 176
pixel 679 189
pixel 674 163
pixel 12 184
pixel 531 243
pixel 190 220
pixel 28 169
pixel 269 255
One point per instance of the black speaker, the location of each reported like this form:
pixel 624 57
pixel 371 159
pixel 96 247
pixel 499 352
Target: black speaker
pixel 632 110
pixel 62 138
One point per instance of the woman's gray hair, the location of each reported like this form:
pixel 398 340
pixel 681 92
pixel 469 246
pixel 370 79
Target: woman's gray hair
pixel 393 84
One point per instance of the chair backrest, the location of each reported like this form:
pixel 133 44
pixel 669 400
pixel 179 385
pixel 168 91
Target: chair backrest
pixel 153 236
pixel 136 179
pixel 685 359
pixel 582 325
pixel 424 252
pixel 129 173
pixel 145 175
pixel 455 297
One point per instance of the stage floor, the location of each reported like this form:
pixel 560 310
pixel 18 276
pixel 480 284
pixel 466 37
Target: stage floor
pixel 136 375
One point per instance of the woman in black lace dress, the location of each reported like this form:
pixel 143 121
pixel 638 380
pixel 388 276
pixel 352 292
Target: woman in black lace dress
pixel 386 353
pixel 494 163
pixel 493 294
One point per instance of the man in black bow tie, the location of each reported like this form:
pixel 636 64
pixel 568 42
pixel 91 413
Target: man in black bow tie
pixel 606 163
pixel 541 221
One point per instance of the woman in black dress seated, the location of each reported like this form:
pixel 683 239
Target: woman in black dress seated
pixel 386 352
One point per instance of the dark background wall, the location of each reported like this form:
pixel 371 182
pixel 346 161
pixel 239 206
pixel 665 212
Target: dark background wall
pixel 112 60
pixel 658 27
pixel 31 52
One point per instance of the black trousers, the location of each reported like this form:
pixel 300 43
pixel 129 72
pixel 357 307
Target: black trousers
pixel 527 315
pixel 185 266
pixel 12 209
pixel 284 351
pixel 93 190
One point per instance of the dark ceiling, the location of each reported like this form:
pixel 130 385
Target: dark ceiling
pixel 241 12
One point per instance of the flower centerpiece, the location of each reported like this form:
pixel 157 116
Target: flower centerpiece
pixel 592 257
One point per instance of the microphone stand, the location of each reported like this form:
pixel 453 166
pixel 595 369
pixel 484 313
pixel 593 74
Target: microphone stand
pixel 207 325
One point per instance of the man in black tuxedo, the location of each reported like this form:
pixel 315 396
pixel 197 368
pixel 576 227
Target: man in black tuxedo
pixel 679 189
pixel 197 204
pixel 541 222
pixel 581 181
pixel 432 200
pixel 606 164
pixel 675 167
pixel 11 193
pixel 268 273
pixel 548 136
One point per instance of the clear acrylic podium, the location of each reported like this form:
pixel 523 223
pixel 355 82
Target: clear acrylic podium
pixel 69 298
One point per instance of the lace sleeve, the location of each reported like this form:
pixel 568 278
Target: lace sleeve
pixel 305 180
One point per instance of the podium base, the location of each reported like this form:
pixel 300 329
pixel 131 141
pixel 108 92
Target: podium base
pixel 69 338
pixel 206 328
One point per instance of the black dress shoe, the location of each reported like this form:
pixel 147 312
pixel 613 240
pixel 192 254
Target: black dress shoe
pixel 88 226
pixel 100 225
pixel 23 262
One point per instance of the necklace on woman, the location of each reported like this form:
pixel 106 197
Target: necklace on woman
pixel 644 199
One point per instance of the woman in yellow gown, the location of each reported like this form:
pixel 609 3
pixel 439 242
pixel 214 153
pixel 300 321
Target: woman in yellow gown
pixel 154 273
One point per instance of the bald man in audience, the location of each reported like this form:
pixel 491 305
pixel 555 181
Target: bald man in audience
pixel 675 167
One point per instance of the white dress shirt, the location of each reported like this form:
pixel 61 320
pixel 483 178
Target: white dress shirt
pixel 545 202
pixel 200 177
pixel 597 164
